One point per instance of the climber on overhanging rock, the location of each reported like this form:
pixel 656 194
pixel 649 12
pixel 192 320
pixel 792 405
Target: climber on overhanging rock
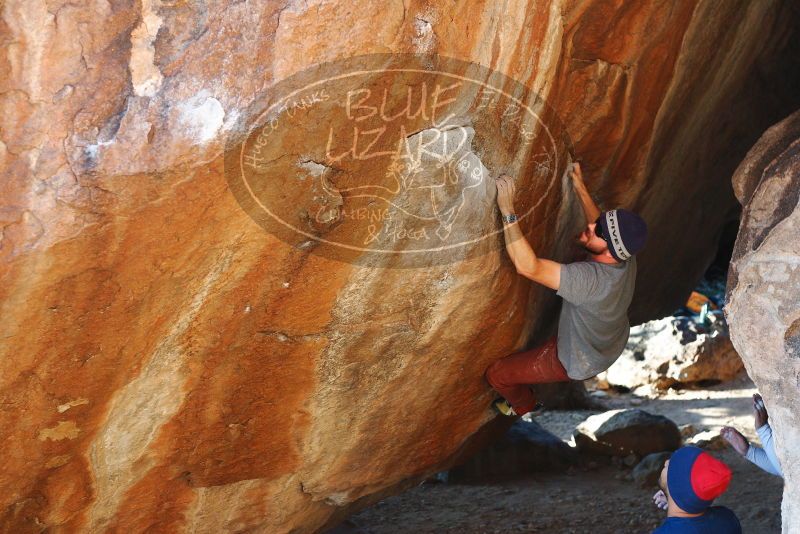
pixel 764 457
pixel 593 327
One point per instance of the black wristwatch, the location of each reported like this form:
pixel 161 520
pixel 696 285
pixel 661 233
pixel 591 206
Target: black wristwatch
pixel 510 218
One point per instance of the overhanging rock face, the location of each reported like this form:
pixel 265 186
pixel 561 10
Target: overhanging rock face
pixel 169 365
pixel 764 290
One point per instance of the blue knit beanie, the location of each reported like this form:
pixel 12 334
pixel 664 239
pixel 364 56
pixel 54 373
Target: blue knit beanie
pixel 624 231
pixel 695 479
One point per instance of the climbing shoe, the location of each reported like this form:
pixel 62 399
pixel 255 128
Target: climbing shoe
pixel 503 407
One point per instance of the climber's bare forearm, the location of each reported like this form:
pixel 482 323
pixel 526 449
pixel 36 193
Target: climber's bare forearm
pixel 545 272
pixel 519 250
pixel 590 209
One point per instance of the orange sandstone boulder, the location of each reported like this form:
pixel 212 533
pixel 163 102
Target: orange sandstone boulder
pixel 179 356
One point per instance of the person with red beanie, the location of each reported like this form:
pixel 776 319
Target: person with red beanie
pixel 690 481
pixel 593 325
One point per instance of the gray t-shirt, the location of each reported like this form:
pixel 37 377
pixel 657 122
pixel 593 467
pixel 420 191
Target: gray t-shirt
pixel 593 327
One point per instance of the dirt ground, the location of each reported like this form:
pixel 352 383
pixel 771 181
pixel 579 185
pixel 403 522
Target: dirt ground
pixel 597 500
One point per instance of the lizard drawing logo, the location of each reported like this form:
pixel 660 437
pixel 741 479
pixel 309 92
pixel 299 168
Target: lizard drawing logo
pixel 392 155
pixel 428 178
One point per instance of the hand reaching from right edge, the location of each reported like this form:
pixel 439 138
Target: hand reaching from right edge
pixel 760 415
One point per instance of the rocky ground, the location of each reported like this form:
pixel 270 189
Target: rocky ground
pixel 597 498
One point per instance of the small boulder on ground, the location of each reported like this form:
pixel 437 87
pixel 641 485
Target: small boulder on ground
pixel 646 472
pixel 525 448
pixel 626 432
pixel 709 440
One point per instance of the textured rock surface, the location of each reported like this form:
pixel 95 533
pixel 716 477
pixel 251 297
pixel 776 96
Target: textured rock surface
pixel 167 366
pixel 672 351
pixel 764 292
pixel 626 432
pixel 709 440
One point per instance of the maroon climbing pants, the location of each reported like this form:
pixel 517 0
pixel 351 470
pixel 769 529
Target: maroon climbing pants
pixel 512 375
